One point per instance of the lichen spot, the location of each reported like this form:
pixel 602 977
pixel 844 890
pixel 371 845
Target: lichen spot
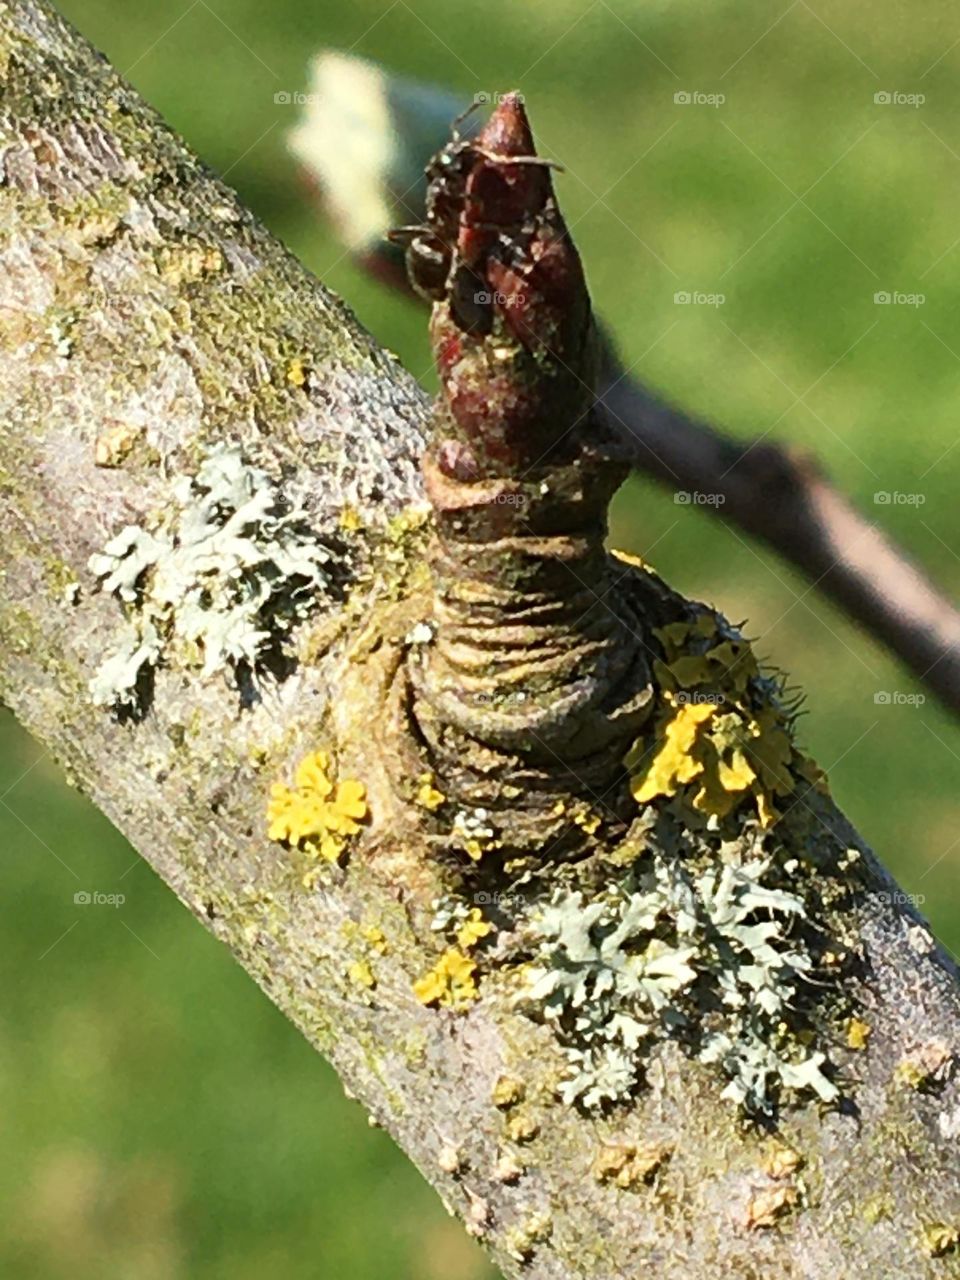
pixel 473 928
pixel 114 443
pixel 360 973
pixel 879 1208
pixel 521 1127
pixel 521 1242
pixel 629 1164
pixel 939 1239
pixel 451 983
pixel 858 1033
pixel 350 520
pixel 450 1160
pixel 428 795
pixel 318 814
pixel 635 562
pixel 377 939
pixel 768 1205
pixel 473 833
pixel 507 1092
pixel 721 727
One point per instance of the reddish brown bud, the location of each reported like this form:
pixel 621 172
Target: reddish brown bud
pixel 508 132
pixel 530 663
pixel 511 329
pixel 499 197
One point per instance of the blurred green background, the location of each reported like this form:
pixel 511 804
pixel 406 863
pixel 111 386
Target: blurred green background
pixel 158 1118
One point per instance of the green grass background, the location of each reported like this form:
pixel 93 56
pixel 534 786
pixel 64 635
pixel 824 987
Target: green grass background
pixel 158 1118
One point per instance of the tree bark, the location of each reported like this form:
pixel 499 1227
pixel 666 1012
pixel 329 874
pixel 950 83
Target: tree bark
pixel 147 317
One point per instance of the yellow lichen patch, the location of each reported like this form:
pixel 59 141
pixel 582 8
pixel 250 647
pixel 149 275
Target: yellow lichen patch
pixel 674 764
pixel 297 372
pixel 628 1164
pixel 771 751
pixel 428 796
pixel 858 1033
pixel 729 665
pixel 587 819
pixel 88 228
pixel 402 536
pixel 507 1092
pixel 938 1239
pixel 375 936
pixel 628 851
pixel 350 521
pixel 473 929
pixel 316 814
pixel 716 728
pixel 451 982
pixel 522 1127
pixel 361 973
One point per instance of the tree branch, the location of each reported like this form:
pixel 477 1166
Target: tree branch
pixel 152 334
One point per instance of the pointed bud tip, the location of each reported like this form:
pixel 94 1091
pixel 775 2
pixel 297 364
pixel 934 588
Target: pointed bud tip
pixel 508 131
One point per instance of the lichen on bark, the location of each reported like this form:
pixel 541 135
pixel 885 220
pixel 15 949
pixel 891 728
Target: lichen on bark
pixel 144 304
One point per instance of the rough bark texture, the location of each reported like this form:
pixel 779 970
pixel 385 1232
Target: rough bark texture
pixel 146 316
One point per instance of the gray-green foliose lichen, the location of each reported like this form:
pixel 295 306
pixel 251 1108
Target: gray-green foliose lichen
pixel 712 957
pixel 221 578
